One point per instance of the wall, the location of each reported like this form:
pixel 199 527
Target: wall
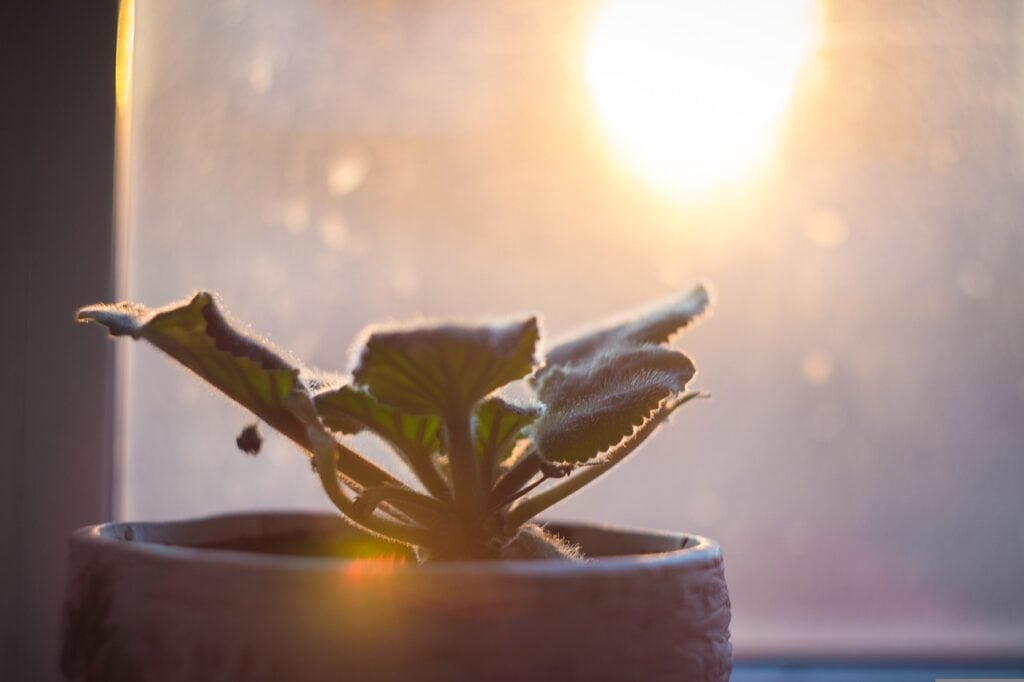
pixel 57 240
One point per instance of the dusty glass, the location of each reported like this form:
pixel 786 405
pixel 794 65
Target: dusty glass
pixel 846 175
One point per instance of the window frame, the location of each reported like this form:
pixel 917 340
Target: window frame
pixel 62 242
pixel 59 241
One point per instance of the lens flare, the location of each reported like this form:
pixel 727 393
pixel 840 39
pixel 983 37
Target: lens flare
pixel 693 94
pixel 125 52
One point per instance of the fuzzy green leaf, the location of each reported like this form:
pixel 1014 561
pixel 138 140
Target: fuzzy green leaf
pixel 197 334
pixel 247 370
pixel 447 369
pixel 497 426
pixel 535 504
pixel 590 407
pixel 350 410
pixel 655 326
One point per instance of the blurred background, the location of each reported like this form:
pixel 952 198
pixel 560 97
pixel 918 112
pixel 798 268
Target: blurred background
pixel 847 176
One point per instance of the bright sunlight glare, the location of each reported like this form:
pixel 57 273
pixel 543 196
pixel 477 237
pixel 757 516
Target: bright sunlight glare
pixel 693 93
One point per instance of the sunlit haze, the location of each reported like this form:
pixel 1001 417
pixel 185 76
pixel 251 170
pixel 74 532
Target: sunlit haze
pixel 853 192
pixel 693 94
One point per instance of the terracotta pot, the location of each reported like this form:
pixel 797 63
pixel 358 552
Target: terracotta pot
pixel 152 601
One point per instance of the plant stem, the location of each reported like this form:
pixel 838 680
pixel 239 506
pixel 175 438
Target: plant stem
pixel 371 498
pixel 525 468
pixel 398 505
pixel 465 470
pixel 504 502
pixel 349 463
pixel 361 470
pixel 531 506
pixel 326 458
pixel 422 466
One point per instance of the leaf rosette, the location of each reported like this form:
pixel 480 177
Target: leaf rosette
pixel 434 395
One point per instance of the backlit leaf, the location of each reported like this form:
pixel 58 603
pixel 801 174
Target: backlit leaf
pixel 591 406
pixel 498 425
pixel 445 369
pixel 197 334
pixel 655 326
pixel 350 410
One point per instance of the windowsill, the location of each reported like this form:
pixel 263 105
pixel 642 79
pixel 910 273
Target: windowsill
pixel 818 671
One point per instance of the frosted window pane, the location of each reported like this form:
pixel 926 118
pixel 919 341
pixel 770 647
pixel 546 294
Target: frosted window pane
pixel 324 165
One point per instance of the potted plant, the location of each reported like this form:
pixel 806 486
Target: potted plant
pixel 449 577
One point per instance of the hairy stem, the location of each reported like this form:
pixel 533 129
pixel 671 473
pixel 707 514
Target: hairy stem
pixel 371 498
pixel 465 470
pixel 343 461
pixel 423 467
pixel 531 506
pixel 362 470
pixel 516 477
pixel 519 493
pixel 326 457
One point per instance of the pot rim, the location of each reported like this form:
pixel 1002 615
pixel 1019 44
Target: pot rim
pixel 694 550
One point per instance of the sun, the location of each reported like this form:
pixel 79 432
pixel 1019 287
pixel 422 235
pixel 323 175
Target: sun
pixel 693 93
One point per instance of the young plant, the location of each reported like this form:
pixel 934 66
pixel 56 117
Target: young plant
pixel 433 394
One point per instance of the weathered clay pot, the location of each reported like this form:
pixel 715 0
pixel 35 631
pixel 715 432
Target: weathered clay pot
pixel 152 601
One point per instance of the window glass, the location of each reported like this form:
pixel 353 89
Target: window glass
pixel 846 175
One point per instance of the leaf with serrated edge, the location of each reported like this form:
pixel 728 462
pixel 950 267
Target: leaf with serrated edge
pixel 445 369
pixel 498 425
pixel 247 370
pixel 591 407
pixel 529 507
pixel 197 334
pixel 655 326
